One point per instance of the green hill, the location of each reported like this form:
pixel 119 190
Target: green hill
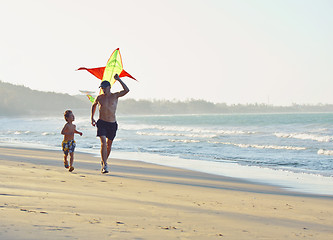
pixel 20 100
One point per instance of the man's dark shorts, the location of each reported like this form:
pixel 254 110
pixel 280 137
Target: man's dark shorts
pixel 107 129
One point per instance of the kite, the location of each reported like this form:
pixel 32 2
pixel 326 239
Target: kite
pixel 88 94
pixel 114 66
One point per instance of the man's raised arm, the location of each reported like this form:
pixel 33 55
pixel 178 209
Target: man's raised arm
pixel 126 89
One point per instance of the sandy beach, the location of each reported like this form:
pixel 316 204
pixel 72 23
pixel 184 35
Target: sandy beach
pixel 40 199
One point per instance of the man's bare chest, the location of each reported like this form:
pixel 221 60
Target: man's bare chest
pixel 108 102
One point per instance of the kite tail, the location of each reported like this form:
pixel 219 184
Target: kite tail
pixel 91 98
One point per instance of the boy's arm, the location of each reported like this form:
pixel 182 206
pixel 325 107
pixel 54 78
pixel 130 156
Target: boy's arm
pixel 75 131
pixel 64 129
pixel 67 130
pixel 126 89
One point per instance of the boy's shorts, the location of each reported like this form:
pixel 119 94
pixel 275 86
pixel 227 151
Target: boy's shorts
pixel 107 129
pixel 68 146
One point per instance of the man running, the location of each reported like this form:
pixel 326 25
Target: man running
pixel 107 124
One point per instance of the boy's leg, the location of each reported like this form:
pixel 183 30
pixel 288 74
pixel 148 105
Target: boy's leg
pixel 71 161
pixel 65 161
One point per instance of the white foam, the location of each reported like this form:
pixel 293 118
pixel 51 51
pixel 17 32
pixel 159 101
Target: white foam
pixel 241 145
pixel 184 141
pixel 325 152
pixel 47 133
pixel 18 132
pixel 182 129
pixel 305 136
pixel 176 134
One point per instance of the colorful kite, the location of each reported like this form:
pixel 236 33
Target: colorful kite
pixel 114 66
pixel 88 94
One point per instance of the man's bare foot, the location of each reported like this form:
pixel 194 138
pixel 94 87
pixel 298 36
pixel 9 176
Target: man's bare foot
pixel 104 169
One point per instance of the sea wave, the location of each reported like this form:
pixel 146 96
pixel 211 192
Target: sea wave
pixel 305 136
pixel 48 133
pixel 18 132
pixel 325 152
pixel 242 145
pixel 184 140
pixel 176 134
pixel 182 129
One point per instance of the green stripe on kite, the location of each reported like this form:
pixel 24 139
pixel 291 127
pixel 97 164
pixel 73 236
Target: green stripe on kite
pixel 114 66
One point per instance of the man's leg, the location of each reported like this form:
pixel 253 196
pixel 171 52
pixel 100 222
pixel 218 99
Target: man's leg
pixel 104 150
pixel 109 144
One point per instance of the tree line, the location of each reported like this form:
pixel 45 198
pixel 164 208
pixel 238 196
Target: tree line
pixel 19 100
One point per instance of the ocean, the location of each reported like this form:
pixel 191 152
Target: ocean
pixel 293 151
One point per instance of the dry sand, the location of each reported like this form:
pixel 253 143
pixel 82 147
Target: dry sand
pixel 40 199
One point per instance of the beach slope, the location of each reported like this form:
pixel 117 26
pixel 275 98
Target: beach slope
pixel 40 199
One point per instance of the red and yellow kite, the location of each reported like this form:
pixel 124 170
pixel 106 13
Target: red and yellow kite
pixel 114 66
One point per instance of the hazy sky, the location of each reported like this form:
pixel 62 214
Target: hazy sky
pixel 232 51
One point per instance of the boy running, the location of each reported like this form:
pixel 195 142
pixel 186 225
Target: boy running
pixel 68 144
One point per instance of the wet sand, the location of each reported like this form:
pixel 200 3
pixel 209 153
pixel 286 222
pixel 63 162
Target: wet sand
pixel 40 199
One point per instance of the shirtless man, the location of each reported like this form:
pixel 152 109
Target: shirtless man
pixel 107 125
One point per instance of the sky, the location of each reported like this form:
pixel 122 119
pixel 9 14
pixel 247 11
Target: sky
pixel 277 52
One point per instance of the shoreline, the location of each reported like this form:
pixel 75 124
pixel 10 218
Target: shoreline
pixel 221 146
pixel 270 188
pixel 300 183
pixel 40 199
pixel 303 183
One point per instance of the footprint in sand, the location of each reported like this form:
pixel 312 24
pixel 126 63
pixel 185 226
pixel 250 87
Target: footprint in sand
pixel 168 227
pixel 25 210
pixel 94 221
